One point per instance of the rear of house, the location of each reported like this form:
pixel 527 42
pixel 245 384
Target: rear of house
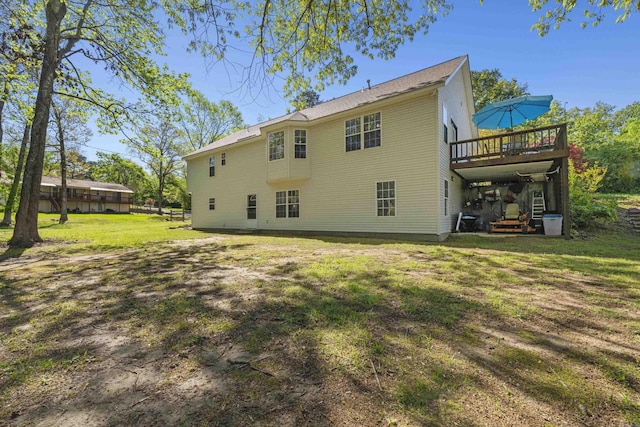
pixel 375 162
pixel 84 196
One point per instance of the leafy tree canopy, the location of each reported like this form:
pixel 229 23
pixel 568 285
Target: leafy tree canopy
pixel 490 86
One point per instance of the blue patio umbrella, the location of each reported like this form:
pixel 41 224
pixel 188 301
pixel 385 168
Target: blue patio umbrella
pixel 511 112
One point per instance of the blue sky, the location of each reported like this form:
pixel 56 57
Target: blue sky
pixel 577 66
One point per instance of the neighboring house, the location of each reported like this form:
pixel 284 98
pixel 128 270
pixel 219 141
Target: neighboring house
pixel 374 162
pixel 84 196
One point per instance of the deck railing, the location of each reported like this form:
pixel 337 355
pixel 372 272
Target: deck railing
pixel 124 200
pixel 530 141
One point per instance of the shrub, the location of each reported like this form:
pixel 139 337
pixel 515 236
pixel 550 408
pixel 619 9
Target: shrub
pixel 588 209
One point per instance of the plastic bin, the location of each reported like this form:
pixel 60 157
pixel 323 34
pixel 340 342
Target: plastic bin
pixel 552 224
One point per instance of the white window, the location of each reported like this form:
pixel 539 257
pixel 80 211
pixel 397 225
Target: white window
pixel 212 166
pixel 223 159
pixel 446 197
pixel 445 118
pixel 386 198
pixel 352 134
pixel 369 132
pixel 372 130
pixel 276 145
pixel 212 203
pixel 300 144
pixel 288 204
pixel 454 131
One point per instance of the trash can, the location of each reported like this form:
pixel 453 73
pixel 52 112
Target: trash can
pixel 552 224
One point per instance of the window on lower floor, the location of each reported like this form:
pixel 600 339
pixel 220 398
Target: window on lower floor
pixel 446 197
pixel 252 206
pixel 212 203
pixel 386 198
pixel 288 204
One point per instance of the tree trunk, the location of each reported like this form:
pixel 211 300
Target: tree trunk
pixel 3 98
pixel 25 234
pixel 64 217
pixel 15 185
pixel 160 188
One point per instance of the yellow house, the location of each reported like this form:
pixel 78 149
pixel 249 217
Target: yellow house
pixel 375 162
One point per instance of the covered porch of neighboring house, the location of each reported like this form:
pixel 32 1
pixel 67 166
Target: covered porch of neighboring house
pixel 84 196
pixel 528 168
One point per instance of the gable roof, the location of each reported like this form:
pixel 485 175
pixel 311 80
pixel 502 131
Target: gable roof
pixel 427 77
pixel 51 181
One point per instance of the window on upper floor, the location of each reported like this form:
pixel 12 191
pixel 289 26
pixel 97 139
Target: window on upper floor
pixel 300 144
pixel 276 145
pixel 386 198
pixel 223 159
pixel 288 204
pixel 372 130
pixel 454 131
pixel 369 132
pixel 352 134
pixel 212 203
pixel 445 129
pixel 212 166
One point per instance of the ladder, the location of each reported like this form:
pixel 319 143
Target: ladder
pixel 537 205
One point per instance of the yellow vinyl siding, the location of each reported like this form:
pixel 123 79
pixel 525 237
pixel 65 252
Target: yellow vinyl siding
pixel 340 194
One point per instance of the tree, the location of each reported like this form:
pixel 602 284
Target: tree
pixel 305 99
pixel 204 122
pixel 70 130
pixel 15 185
pixel 593 12
pixel 160 146
pixel 122 35
pixel 489 86
pixel 115 168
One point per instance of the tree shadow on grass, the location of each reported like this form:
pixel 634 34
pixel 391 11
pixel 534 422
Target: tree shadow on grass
pixel 185 335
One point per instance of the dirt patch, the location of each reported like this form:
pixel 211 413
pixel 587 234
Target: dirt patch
pixel 221 332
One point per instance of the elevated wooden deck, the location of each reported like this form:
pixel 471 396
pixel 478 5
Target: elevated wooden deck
pixel 532 145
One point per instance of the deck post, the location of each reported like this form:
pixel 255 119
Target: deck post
pixel 564 190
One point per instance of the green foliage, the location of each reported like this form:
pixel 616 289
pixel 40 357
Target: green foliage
pixel 203 122
pixel 490 86
pixel 305 99
pixel 117 169
pixel 587 209
pixel 593 12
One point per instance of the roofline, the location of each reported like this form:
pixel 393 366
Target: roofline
pixel 390 99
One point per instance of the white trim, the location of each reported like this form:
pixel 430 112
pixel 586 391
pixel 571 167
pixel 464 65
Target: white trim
pixel 106 189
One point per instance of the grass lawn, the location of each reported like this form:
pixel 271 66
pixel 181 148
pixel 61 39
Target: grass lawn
pixel 133 320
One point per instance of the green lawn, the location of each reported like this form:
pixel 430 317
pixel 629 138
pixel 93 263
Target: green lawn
pixel 130 319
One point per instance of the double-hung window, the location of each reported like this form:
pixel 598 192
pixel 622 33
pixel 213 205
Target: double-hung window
pixel 212 203
pixel 454 131
pixel 352 134
pixel 288 204
pixel 446 197
pixel 362 129
pixel 300 144
pixel 372 130
pixel 276 145
pixel 445 129
pixel 223 159
pixel 386 198
pixel 212 166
